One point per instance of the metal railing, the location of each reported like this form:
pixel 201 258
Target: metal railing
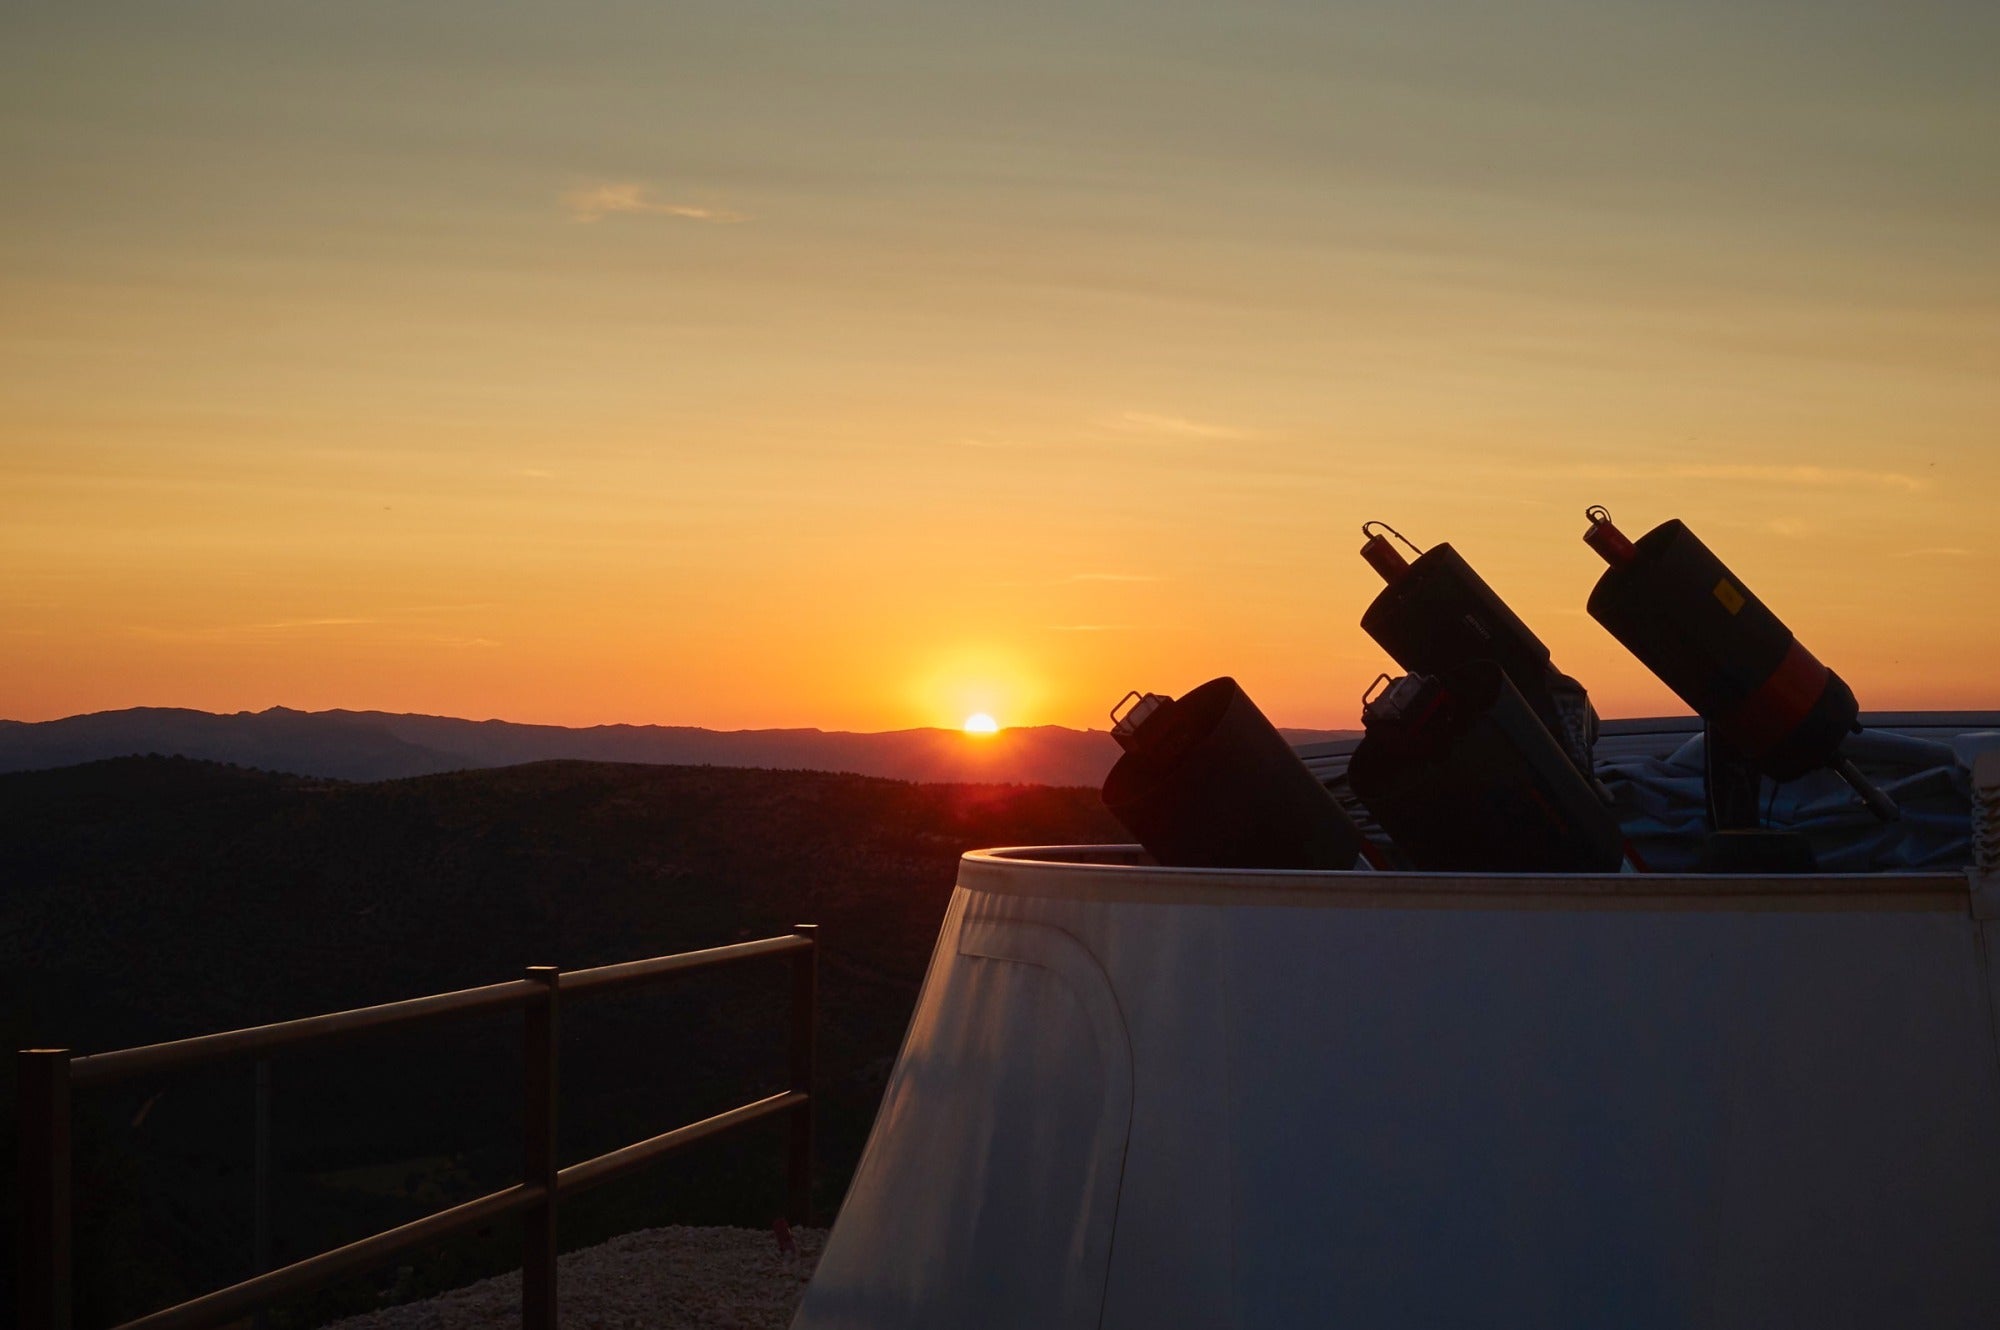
pixel 48 1075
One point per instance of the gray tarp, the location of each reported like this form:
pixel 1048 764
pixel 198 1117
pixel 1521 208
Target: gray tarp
pixel 1653 767
pixel 1660 805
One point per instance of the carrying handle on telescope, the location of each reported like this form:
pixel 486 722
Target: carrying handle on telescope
pixel 1381 555
pixel 1370 693
pixel 1611 544
pixel 1126 722
pixel 1368 534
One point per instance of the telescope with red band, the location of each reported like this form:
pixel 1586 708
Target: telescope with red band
pixel 1693 622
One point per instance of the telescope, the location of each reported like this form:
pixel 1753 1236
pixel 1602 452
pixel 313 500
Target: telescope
pixel 1771 708
pixel 1206 781
pixel 1436 614
pixel 1479 758
pixel 1464 777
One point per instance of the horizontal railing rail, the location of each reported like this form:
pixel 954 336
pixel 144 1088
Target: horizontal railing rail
pixel 95 1069
pixel 617 1163
pixel 239 1300
pixel 626 973
pixel 48 1076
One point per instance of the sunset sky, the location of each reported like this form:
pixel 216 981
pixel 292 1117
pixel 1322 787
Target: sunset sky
pixel 869 365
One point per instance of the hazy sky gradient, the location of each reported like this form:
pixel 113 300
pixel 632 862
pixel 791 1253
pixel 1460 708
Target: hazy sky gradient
pixel 868 365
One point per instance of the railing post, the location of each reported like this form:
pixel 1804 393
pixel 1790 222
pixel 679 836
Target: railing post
pixel 805 998
pixel 538 1152
pixel 45 1188
pixel 260 1168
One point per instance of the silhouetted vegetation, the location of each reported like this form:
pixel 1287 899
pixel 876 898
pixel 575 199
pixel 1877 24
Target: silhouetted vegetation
pixel 144 899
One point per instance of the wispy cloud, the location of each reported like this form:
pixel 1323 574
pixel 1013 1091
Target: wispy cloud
pixel 1790 477
pixel 970 441
pixel 441 609
pixel 287 625
pixel 402 624
pixel 1936 552
pixel 597 202
pixel 243 631
pixel 1110 577
pixel 1143 422
pixel 1813 477
pixel 1089 627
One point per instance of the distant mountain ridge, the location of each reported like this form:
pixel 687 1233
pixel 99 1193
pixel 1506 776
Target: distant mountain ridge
pixel 381 745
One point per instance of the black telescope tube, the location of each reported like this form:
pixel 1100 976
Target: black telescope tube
pixel 1465 778
pixel 1439 614
pixel 1208 782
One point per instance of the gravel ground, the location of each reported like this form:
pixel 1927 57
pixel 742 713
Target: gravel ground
pixel 658 1279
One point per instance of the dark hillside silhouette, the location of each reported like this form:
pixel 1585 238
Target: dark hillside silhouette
pixel 152 898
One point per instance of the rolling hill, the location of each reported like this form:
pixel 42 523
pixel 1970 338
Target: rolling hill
pixel 378 745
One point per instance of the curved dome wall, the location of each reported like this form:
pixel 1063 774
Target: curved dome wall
pixel 1139 1097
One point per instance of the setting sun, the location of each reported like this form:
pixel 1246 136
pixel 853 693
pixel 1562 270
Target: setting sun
pixel 981 723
